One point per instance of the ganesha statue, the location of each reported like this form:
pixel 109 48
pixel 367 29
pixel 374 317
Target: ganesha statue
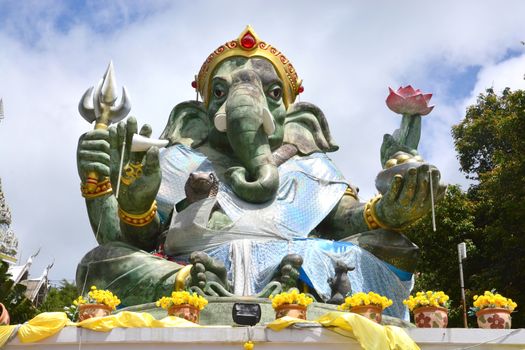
pixel 244 194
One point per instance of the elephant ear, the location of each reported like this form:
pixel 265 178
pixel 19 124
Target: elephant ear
pixel 188 125
pixel 306 128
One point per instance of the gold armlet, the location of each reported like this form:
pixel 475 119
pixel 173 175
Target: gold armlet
pixel 139 219
pixel 350 192
pixel 370 214
pixel 100 189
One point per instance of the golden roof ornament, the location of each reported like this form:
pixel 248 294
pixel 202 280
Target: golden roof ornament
pixel 248 45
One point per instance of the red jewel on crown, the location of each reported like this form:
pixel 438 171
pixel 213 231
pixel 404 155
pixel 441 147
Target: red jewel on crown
pixel 248 41
pixel 300 89
pixel 194 84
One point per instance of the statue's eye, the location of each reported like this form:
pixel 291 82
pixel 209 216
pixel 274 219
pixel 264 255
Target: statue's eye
pixel 218 92
pixel 276 93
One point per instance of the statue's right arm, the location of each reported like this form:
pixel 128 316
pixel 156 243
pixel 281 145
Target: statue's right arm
pixel 132 217
pixel 93 155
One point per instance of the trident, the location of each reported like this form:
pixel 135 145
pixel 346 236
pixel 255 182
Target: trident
pixel 100 107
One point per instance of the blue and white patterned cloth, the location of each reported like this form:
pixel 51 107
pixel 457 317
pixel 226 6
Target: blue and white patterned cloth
pixel 262 234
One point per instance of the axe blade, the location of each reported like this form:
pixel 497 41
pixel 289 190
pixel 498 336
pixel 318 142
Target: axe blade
pixel 121 111
pixel 85 106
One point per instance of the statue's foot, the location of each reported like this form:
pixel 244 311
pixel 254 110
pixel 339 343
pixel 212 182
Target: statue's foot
pixel 336 299
pixel 288 272
pixel 206 269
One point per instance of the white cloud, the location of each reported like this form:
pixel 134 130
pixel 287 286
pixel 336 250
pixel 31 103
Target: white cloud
pixel 507 73
pixel 346 52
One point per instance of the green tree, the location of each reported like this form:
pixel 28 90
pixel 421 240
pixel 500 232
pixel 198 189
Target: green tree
pixel 437 267
pixel 491 149
pixel 12 296
pixel 60 297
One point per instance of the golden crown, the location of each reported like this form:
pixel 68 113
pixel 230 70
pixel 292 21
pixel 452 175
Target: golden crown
pixel 249 45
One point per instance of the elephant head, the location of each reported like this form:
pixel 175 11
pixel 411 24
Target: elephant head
pixel 247 114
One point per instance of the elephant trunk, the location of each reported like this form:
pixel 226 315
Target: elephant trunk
pixel 248 125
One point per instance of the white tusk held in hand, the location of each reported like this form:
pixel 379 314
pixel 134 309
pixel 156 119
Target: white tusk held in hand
pixel 142 144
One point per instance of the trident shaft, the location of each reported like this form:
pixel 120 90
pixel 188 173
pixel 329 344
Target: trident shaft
pixel 98 105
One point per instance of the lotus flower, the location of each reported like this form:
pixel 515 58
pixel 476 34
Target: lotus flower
pixel 408 101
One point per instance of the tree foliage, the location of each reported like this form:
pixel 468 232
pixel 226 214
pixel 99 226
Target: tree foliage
pixel 60 297
pixel 437 267
pixel 491 147
pixel 490 216
pixel 12 296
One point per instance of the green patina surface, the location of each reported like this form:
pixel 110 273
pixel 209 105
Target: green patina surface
pixel 246 94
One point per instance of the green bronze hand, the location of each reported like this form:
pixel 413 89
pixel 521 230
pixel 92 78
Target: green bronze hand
pixel 140 177
pixel 93 153
pixel 408 198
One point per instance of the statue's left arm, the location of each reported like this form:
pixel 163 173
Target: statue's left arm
pixel 139 184
pixel 408 199
pixel 131 216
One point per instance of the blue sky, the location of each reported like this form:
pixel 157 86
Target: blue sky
pixel 347 53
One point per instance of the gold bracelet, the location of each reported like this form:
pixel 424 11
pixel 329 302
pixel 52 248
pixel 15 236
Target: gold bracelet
pixel 101 188
pixel 139 219
pixel 370 214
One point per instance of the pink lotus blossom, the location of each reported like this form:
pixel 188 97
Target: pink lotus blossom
pixel 408 101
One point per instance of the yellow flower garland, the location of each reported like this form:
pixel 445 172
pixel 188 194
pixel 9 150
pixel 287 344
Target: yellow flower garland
pixel 180 298
pixel 429 298
pixel 359 299
pixel 291 297
pixel 98 296
pixel 491 300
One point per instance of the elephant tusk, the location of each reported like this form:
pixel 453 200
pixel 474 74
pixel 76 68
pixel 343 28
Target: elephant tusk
pixel 220 118
pixel 142 144
pixel 268 123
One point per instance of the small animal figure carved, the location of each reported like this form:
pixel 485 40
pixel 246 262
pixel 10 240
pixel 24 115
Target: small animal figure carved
pixel 340 283
pixel 200 185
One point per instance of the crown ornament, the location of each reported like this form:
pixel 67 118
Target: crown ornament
pixel 248 45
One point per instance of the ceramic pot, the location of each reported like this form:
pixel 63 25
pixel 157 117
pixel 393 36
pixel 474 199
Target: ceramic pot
pixel 494 318
pixel 86 311
pixel 431 317
pixel 292 310
pixel 185 311
pixel 4 316
pixel 372 312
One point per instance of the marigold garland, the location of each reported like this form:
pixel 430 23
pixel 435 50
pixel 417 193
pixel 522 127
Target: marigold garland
pixel 360 299
pixel 180 298
pixel 291 297
pixel 428 298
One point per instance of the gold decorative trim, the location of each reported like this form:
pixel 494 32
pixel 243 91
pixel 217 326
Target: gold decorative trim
pixel 92 190
pixel 131 172
pixel 248 45
pixel 370 216
pixel 139 219
pixel 350 192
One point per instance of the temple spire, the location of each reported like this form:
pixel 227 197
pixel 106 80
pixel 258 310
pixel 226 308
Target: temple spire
pixel 8 241
pixel 1 109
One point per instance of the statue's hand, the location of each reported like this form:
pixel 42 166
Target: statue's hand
pixel 93 154
pixel 390 147
pixel 409 197
pixel 141 176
